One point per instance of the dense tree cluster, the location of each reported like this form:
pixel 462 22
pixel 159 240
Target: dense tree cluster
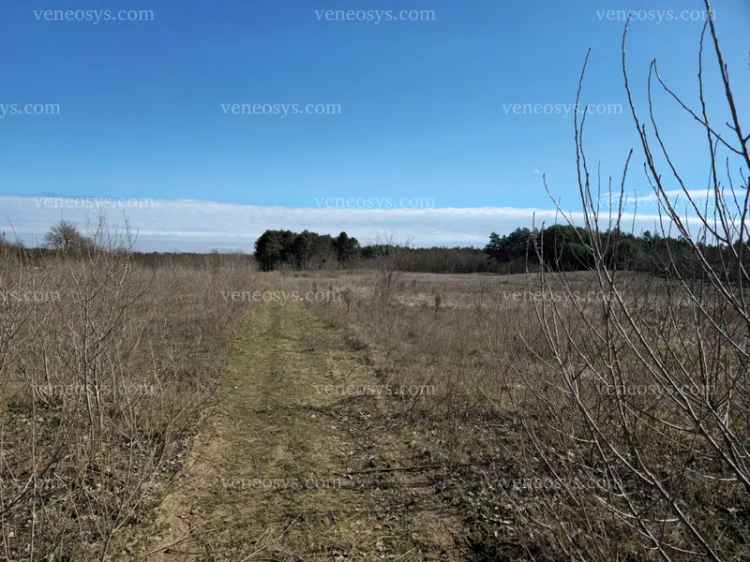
pixel 568 248
pixel 304 250
pixel 278 249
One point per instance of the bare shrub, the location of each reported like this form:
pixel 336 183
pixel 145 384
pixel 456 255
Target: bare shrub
pixel 647 402
pixel 105 366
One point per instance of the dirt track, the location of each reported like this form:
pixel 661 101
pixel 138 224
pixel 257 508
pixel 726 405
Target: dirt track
pixel 288 466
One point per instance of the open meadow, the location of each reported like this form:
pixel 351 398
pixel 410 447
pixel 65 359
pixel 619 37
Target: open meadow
pixel 519 405
pixel 440 282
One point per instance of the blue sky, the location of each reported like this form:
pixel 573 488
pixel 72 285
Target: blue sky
pixel 425 109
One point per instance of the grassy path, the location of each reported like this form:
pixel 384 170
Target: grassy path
pixel 286 470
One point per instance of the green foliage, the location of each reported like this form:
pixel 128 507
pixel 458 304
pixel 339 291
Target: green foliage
pixel 304 250
pixel 508 248
pixel 570 248
pixel 346 248
pixel 559 247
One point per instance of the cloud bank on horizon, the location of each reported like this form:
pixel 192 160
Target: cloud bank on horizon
pixel 191 225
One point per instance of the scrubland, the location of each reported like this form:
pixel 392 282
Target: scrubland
pixel 575 422
pixel 568 421
pixel 105 367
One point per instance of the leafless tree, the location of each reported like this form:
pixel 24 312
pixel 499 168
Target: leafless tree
pixel 648 405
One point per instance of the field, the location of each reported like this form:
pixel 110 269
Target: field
pixel 347 286
pixel 212 412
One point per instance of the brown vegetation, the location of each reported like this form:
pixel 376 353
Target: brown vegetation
pixel 595 415
pixel 104 368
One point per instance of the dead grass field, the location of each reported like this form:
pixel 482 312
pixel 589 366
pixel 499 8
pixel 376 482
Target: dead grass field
pixel 504 411
pixel 105 368
pixel 109 371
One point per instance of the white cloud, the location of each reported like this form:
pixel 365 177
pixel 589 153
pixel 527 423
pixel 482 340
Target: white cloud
pixel 674 195
pixel 186 225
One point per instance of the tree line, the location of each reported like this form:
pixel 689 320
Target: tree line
pixel 559 247
pixel 570 248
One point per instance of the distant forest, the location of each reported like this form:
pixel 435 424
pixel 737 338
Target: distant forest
pixel 563 248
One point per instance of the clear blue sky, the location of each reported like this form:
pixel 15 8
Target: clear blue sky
pixel 422 102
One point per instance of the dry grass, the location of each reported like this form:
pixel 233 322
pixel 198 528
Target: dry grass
pixel 104 367
pixel 524 465
pixel 283 468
